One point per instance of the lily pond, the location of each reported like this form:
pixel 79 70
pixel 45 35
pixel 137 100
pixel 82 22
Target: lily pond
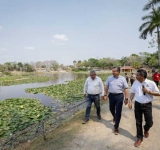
pixel 18 114
pixel 25 104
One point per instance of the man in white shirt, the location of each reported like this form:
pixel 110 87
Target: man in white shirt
pixel 143 91
pixel 94 88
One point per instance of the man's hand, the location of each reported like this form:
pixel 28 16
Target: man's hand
pixel 130 104
pixel 105 98
pixel 102 97
pixel 84 95
pixel 125 102
pixel 145 90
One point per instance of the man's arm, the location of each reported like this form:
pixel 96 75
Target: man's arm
pixel 126 93
pixel 126 96
pixel 85 88
pixel 102 87
pixel 106 92
pixel 151 92
pixel 130 101
pixel 154 91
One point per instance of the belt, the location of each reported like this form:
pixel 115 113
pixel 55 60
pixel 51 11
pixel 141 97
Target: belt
pixel 115 93
pixel 93 94
pixel 144 104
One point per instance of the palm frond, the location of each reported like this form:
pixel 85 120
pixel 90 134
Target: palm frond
pixel 147 17
pixel 152 27
pixel 151 4
pixel 144 25
pixel 144 33
pixel 153 21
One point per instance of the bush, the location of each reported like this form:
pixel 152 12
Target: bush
pixel 8 73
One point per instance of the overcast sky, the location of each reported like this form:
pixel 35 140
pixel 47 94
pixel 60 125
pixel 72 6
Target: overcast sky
pixel 67 30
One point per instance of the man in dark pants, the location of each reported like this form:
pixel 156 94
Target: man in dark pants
pixel 95 89
pixel 117 87
pixel 132 78
pixel 143 91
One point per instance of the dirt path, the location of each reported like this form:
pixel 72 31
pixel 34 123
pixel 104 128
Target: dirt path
pixel 98 135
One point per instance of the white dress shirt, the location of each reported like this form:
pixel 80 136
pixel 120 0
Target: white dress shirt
pixel 139 95
pixel 94 86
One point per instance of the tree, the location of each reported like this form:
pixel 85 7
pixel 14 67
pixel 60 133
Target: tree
pixel 124 61
pixel 79 64
pixel 74 62
pixel 151 4
pixel 2 69
pixel 93 62
pixel 85 63
pixel 137 64
pixel 152 23
pixel 134 55
pixel 28 68
pixel 55 67
pixel 144 57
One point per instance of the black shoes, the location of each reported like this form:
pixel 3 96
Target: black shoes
pixel 85 121
pixel 116 131
pixel 99 117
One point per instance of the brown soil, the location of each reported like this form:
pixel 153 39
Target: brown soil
pixel 98 135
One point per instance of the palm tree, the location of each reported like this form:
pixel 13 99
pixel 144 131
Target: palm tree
pixel 152 23
pixel 151 4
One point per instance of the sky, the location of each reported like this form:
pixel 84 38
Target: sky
pixel 68 30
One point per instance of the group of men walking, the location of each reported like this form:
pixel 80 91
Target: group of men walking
pixel 116 89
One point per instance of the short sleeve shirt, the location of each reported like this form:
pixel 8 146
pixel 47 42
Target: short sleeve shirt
pixel 116 85
pixel 139 95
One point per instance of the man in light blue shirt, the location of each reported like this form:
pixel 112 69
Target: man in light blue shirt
pixel 117 86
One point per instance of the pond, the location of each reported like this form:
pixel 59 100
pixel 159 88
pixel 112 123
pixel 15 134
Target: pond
pixel 16 91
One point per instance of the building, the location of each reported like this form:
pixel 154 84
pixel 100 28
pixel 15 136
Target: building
pixel 127 69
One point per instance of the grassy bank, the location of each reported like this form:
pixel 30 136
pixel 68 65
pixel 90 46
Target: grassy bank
pixel 23 78
pixel 57 138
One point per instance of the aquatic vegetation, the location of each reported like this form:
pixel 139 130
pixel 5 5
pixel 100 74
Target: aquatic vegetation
pixel 67 93
pixel 70 92
pixel 19 113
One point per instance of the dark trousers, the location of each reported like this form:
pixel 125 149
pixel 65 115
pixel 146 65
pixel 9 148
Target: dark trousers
pixel 157 82
pixel 139 111
pixel 131 81
pixel 90 99
pixel 115 104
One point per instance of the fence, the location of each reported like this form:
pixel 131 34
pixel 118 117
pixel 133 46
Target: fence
pixel 40 128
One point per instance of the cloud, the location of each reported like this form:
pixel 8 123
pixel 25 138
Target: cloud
pixel 29 48
pixel 60 39
pixel 0 28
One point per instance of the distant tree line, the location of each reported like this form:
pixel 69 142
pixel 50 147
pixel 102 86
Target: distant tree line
pixel 134 60
pixel 30 67
pixel 14 66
